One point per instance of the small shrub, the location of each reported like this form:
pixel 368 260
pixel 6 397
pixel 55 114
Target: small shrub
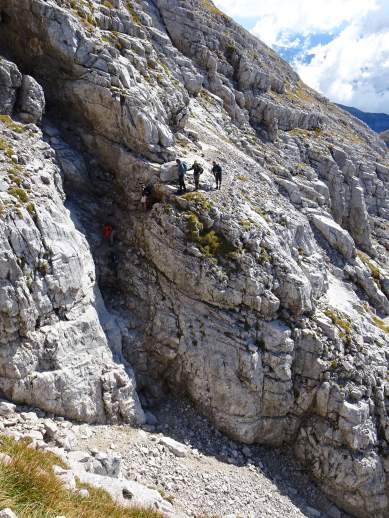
pixel 381 324
pixel 230 48
pixel 334 364
pixel 211 244
pixel 107 4
pixel 344 324
pixel 374 270
pixel 43 267
pixel 19 193
pixel 134 15
pixel 6 147
pixel 247 224
pixel 199 199
pixel 31 209
pixel 264 256
pixel 243 178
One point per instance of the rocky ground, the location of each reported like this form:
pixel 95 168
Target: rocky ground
pixel 264 302
pixel 184 458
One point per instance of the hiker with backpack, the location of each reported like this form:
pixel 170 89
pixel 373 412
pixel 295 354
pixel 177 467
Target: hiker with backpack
pixel 182 169
pixel 217 173
pixel 197 171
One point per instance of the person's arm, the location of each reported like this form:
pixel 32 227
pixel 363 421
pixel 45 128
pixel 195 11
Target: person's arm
pixel 190 169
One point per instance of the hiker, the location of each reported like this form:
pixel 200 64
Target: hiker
pixel 217 173
pixel 147 192
pixel 182 169
pixel 108 233
pixel 197 171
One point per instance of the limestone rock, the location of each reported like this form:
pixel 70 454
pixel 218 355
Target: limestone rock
pixel 10 82
pixel 335 235
pixel 7 513
pixel 175 447
pixel 31 101
pixel 247 299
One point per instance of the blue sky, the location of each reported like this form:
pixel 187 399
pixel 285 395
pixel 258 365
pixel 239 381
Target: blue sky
pixel 339 47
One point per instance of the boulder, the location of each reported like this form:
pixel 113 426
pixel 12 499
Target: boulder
pixel 31 101
pixel 336 236
pixel 10 82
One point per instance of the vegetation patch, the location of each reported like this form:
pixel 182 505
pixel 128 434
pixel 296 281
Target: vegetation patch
pixel 264 257
pixel 208 6
pixel 30 488
pixel 374 269
pixel 381 324
pixel 133 12
pixel 12 125
pixel 247 224
pixel 343 324
pixel 209 242
pixel 19 193
pixel 31 209
pixel 199 199
pixel 6 147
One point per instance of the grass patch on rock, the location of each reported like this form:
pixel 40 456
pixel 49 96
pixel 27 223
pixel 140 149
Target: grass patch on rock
pixel 19 193
pixel 134 15
pixel 30 488
pixel 200 200
pixel 209 242
pixel 211 8
pixel 374 269
pixel 12 125
pixel 381 324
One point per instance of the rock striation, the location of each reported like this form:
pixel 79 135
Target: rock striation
pixel 265 302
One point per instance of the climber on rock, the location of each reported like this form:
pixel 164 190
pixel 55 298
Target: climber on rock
pixel 108 233
pixel 197 171
pixel 147 193
pixel 182 169
pixel 217 173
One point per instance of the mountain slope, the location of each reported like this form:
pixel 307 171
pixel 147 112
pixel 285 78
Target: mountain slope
pixel 263 301
pixel 378 122
pixel 385 137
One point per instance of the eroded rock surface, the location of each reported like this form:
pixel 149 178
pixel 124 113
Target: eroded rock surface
pixel 265 302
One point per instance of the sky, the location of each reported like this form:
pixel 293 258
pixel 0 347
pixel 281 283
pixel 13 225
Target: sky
pixel 338 47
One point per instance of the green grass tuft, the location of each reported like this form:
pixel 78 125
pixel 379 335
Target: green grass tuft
pixel 19 193
pixel 381 324
pixel 199 199
pixel 30 488
pixel 12 125
pixel 134 15
pixel 209 242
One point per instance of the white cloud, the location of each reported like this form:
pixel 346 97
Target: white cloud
pixel 353 68
pixel 278 18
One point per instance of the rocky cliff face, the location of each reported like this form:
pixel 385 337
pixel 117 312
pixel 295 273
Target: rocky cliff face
pixel 265 302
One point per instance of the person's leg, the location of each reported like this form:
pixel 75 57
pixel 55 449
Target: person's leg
pixel 180 182
pixel 220 181
pixel 196 180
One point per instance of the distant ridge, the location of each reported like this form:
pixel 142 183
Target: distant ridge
pixel 376 121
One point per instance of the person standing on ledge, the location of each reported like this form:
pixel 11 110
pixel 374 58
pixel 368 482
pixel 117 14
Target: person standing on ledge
pixel 182 169
pixel 197 171
pixel 217 173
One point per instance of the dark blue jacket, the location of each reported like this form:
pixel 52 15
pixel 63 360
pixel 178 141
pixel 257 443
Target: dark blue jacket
pixel 182 169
